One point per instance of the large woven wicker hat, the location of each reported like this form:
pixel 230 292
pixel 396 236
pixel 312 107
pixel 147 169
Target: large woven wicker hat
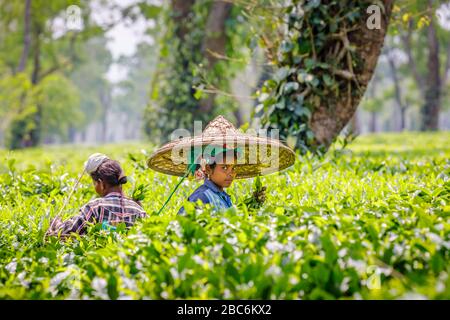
pixel 256 156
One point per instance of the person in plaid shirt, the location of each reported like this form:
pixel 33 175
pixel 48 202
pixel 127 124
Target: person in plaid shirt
pixel 110 210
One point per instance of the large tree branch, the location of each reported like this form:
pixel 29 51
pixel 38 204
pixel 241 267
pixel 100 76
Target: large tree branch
pixel 65 63
pixel 330 117
pixel 56 67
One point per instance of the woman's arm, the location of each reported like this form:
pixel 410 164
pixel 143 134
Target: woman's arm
pixel 76 224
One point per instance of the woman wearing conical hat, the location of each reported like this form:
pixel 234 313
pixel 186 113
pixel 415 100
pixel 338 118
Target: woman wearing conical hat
pixel 218 172
pixel 220 155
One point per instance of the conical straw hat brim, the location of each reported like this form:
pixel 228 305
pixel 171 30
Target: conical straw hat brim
pixel 259 155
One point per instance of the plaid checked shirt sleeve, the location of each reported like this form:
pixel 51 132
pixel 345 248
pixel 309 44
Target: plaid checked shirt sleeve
pixel 112 210
pixel 76 224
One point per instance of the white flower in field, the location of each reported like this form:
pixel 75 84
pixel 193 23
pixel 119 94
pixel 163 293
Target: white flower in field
pixel 226 222
pixel 366 244
pixel 272 233
pixel 232 240
pixel 398 250
pixel 439 227
pixel 68 258
pixel 139 238
pixel 139 265
pixel 99 285
pixel 26 259
pixel 293 280
pixel 413 296
pixel 386 271
pixel 273 271
pixel 198 260
pixel 440 287
pixel 309 78
pixel 343 252
pixel 11 267
pixel 173 260
pixel 21 278
pixel 435 238
pixel 226 294
pixel 124 257
pixel 274 246
pixel 307 214
pixel 43 260
pixel 446 244
pixel 174 272
pixel 186 183
pixel 393 237
pixel 357 296
pixel 393 292
pixel 185 273
pixel 314 237
pixel 443 276
pixel 58 278
pixel 289 247
pixel 297 255
pixel 128 283
pixel 74 294
pixel 359 265
pixel 344 285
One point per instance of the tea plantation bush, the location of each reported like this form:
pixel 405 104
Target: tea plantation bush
pixel 370 221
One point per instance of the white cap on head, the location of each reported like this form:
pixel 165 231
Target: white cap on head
pixel 94 161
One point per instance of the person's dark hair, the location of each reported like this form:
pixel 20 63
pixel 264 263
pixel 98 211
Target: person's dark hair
pixel 110 172
pixel 220 159
pixel 212 166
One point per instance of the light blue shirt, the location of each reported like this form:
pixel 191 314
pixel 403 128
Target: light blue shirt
pixel 209 192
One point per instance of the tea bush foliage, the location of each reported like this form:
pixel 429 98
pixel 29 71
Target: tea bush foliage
pixel 370 221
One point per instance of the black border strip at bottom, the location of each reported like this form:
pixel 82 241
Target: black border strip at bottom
pixel 225 309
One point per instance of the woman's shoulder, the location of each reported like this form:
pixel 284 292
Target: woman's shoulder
pixel 93 202
pixel 199 193
pixel 91 207
pixel 132 202
pixel 104 201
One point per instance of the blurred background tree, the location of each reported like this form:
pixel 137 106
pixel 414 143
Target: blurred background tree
pixel 55 82
pixel 105 71
pixel 201 51
pixel 34 54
